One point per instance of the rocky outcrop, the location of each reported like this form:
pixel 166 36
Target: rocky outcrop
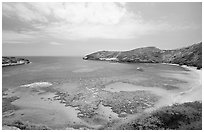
pixel 11 61
pixel 191 55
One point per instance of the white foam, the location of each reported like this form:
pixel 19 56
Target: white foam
pixel 37 84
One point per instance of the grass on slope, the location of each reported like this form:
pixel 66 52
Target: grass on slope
pixel 187 116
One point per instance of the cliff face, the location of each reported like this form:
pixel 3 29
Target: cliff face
pixel 191 55
pixel 10 61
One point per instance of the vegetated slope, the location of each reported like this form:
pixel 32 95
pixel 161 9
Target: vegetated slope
pixel 178 117
pixel 8 61
pixel 102 54
pixel 191 55
pixel 147 54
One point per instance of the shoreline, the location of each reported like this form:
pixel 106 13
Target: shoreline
pixel 189 95
pixel 193 69
pixel 14 64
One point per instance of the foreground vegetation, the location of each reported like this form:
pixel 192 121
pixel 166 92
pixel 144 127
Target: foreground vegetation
pixel 187 116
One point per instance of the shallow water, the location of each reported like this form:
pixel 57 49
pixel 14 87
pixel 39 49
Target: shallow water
pixel 74 69
pixel 120 86
pixel 37 83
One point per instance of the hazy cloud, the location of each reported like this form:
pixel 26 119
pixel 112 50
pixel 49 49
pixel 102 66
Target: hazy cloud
pixel 56 43
pixel 23 11
pixel 14 37
pixel 79 21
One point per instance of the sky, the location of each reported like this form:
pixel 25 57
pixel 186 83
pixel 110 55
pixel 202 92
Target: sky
pixel 77 29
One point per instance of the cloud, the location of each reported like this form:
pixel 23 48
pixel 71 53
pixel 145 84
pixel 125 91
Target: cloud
pixel 94 13
pixel 56 43
pixel 23 12
pixel 14 37
pixel 82 21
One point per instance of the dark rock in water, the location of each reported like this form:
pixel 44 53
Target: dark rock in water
pixel 122 114
pixel 85 58
pixel 190 56
pixel 199 67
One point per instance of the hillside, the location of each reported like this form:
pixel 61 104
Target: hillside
pixel 11 61
pixel 191 55
pixel 186 116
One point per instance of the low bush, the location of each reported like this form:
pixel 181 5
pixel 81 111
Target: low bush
pixel 187 116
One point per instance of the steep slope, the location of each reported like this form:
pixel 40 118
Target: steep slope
pixel 11 61
pixel 186 116
pixel 147 54
pixel 191 55
pixel 101 54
